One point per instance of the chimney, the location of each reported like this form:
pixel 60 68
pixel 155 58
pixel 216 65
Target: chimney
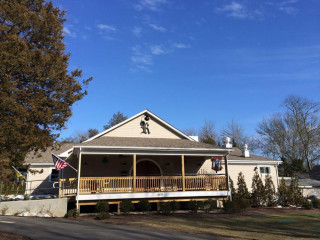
pixel 227 142
pixel 196 138
pixel 245 152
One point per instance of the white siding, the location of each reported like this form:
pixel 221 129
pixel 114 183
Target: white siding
pixel 248 171
pixel 133 129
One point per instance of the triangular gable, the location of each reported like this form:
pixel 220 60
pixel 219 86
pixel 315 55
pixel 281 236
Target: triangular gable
pixel 161 127
pixel 131 128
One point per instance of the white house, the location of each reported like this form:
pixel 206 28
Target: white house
pixel 144 157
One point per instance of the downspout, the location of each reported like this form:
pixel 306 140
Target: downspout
pixel 277 176
pixel 227 175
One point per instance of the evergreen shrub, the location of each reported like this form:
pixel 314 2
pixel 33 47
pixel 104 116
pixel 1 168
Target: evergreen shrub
pixel 166 208
pixel 175 206
pixel 193 206
pixel 102 207
pixel 73 213
pixel 126 206
pixel 144 206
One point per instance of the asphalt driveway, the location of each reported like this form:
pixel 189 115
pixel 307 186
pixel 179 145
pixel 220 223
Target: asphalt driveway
pixel 47 228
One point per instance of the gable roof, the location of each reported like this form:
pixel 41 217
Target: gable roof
pixel 178 132
pixel 237 155
pixel 45 156
pixel 315 172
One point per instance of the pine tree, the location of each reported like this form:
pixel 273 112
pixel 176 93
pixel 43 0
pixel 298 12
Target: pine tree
pixel 116 118
pixel 283 194
pixel 296 193
pixel 37 90
pixel 242 191
pixel 258 191
pixel 270 192
pixel 232 189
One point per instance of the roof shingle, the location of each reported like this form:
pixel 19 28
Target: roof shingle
pixel 146 142
pixel 236 154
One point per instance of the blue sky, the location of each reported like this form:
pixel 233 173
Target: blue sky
pixel 191 61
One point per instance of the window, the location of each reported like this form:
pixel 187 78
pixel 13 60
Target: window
pixel 54 176
pixel 264 170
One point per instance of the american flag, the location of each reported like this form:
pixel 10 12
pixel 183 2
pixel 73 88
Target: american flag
pixel 58 163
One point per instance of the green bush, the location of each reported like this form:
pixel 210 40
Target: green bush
pixel 242 191
pixel 193 206
pixel 26 197
pixel 175 206
pixel 243 204
pixel 236 205
pixel 258 196
pixel 12 188
pixel 166 208
pixel 126 206
pixel 229 206
pixel 144 206
pixel 103 215
pixel 307 204
pixel 270 192
pixel 296 197
pixel 102 207
pixel 284 194
pixel 209 205
pixel 316 203
pixel 73 213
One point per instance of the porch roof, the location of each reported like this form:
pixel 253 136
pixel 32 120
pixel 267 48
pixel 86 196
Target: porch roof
pixel 148 145
pixel 147 142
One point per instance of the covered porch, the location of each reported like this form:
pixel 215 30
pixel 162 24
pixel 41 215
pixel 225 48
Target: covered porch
pixel 115 173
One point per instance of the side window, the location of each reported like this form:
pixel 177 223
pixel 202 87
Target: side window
pixel 54 175
pixel 264 170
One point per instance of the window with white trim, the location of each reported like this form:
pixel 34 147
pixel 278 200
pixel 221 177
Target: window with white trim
pixel 54 176
pixel 264 170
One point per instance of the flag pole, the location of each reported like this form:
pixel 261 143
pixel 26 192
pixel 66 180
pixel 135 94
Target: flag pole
pixel 18 172
pixel 66 163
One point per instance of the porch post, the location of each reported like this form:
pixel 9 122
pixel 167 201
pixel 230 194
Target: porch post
pixel 227 174
pixel 134 171
pixel 78 180
pixel 183 174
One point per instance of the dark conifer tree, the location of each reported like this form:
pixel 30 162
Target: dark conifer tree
pixel 242 191
pixel 37 90
pixel 258 191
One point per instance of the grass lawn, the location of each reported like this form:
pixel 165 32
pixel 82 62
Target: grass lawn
pixel 10 236
pixel 252 224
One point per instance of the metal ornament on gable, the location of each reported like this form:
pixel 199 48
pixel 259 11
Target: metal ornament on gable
pixel 144 124
pixel 216 163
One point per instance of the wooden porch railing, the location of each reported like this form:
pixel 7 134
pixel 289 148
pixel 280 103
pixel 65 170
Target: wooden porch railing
pixel 96 185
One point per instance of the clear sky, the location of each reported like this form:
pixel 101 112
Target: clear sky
pixel 189 61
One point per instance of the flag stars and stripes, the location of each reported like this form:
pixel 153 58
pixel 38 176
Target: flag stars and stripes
pixel 59 163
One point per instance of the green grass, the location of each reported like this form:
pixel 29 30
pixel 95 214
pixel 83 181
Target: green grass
pixel 254 224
